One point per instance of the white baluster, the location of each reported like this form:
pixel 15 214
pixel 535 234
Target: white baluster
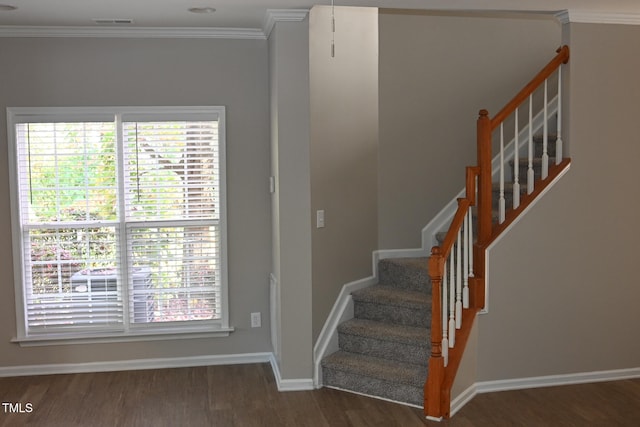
pixel 465 253
pixel 445 317
pixel 459 280
pixel 471 240
pixel 516 167
pixel 545 136
pixel 501 207
pixel 530 173
pixel 452 309
pixel 559 116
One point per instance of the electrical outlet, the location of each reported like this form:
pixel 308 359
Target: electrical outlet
pixel 256 320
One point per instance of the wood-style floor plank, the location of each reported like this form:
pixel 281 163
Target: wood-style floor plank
pixel 246 396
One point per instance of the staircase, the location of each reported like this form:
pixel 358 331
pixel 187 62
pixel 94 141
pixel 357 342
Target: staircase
pixel 413 324
pixel 384 349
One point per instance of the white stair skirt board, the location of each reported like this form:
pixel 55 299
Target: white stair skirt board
pixel 136 364
pixel 545 381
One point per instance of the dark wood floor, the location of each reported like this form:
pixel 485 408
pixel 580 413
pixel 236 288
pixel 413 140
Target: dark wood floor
pixel 246 395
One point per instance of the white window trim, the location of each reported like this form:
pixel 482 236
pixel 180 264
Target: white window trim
pixel 217 328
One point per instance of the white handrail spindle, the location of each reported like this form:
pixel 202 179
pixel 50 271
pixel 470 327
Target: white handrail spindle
pixel 465 249
pixel 465 293
pixel 452 308
pixel 530 173
pixel 459 280
pixel 501 206
pixel 545 136
pixel 516 167
pixel 445 304
pixel 559 118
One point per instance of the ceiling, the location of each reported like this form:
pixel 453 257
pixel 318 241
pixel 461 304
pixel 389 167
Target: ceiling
pixel 251 13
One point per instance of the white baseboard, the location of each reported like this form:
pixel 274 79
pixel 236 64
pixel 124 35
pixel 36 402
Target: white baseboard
pixel 544 381
pixel 136 364
pixel 462 399
pixel 298 384
pixel 555 380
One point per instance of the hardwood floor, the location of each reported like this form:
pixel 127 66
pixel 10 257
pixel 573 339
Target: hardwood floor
pixel 246 395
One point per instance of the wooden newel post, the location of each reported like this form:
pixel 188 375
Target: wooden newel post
pixel 435 378
pixel 484 206
pixel 484 177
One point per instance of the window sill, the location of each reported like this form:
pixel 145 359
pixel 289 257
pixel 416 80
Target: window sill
pixel 111 337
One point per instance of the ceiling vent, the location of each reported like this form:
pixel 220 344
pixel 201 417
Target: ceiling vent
pixel 113 21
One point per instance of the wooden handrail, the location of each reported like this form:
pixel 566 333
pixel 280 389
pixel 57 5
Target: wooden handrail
pixel 561 58
pixel 456 225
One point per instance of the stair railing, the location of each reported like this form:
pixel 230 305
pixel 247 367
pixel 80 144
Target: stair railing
pixel 486 126
pixel 457 266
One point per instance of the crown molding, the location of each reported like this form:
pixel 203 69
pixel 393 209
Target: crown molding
pixel 282 15
pixel 593 17
pixel 132 32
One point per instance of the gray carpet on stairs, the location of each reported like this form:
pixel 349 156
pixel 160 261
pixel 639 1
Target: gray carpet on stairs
pixel 384 350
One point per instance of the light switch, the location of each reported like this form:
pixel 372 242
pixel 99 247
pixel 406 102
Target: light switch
pixel 320 219
pixel 272 184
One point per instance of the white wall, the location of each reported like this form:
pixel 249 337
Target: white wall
pixel 94 72
pixel 437 71
pixel 562 282
pixel 291 224
pixel 344 150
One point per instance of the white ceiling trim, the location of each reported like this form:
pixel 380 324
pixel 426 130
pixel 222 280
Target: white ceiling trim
pixel 592 17
pixel 282 15
pixel 271 18
pixel 132 32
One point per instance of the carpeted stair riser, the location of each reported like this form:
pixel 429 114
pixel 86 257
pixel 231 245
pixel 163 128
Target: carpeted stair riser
pixel 405 273
pixel 538 146
pixel 374 387
pixel 402 382
pixel 508 193
pixel 386 304
pixel 391 342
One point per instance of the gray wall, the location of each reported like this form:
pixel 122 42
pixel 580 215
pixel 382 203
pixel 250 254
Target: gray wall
pixel 93 72
pixel 344 150
pixel 563 296
pixel 436 72
pixel 291 218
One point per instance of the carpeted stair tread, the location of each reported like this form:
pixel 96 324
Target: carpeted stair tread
pixel 374 367
pixel 388 295
pixel 386 331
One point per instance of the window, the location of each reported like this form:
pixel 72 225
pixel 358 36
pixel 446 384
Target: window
pixel 118 221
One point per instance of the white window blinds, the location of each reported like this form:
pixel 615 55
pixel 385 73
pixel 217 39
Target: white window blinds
pixel 121 222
